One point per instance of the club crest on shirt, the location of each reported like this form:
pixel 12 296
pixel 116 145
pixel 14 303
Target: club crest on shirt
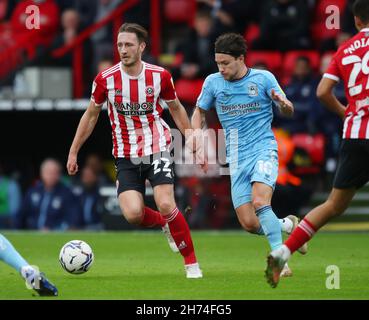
pixel 118 92
pixel 149 91
pixel 252 90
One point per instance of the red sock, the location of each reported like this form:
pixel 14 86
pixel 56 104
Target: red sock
pixel 152 218
pixel 303 233
pixel 181 234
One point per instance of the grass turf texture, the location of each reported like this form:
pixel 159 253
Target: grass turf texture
pixel 140 265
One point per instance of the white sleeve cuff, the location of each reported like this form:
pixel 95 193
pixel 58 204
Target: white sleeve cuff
pixel 331 76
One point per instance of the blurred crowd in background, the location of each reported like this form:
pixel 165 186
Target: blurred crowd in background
pixel 288 37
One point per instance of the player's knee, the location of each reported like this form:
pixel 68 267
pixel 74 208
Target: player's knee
pixel 259 202
pixel 165 206
pixel 133 215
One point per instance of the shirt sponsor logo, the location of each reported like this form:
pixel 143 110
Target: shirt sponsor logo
pixel 239 109
pixel 134 108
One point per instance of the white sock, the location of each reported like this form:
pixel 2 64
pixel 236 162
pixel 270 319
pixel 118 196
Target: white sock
pixel 286 225
pixel 286 253
pixel 28 273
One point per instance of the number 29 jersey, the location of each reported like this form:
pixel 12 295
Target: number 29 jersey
pixel 351 65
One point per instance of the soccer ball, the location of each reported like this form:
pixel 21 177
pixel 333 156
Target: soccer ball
pixel 76 257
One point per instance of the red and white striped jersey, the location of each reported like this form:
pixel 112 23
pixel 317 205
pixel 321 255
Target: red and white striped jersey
pixel 135 106
pixel 351 64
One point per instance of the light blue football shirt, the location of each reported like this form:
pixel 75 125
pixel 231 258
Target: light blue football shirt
pixel 244 108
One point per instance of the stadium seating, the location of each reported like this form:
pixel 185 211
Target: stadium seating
pixel 312 153
pixel 319 31
pixel 180 11
pixel 188 90
pixel 272 59
pixel 252 32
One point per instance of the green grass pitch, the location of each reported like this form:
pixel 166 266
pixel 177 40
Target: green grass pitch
pixel 140 265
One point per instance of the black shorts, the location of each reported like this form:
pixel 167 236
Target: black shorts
pixel 353 164
pixel 133 172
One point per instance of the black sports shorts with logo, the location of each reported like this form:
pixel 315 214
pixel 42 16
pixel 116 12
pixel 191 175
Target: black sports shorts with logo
pixel 353 164
pixel 133 172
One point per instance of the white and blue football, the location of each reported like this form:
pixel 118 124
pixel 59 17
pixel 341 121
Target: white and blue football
pixel 76 257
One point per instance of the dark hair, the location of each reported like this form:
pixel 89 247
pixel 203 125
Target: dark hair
pixel 135 28
pixel 360 9
pixel 304 59
pixel 231 43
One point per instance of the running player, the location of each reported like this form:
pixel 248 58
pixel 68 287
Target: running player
pixel 136 93
pixel 351 65
pixel 243 100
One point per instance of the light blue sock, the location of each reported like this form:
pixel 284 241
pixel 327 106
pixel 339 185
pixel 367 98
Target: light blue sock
pixel 10 256
pixel 260 232
pixel 270 225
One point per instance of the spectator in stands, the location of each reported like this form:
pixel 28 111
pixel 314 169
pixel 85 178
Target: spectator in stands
pixel 70 23
pixel 104 64
pixel 198 59
pixel 284 26
pixel 6 9
pixel 10 199
pixel 102 39
pixel 49 205
pixel 233 15
pixel 290 194
pixel 49 20
pixel 95 162
pixel 260 65
pixel 329 123
pixel 87 192
pixel 301 91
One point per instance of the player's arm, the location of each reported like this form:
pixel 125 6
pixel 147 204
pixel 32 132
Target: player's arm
pixel 85 127
pixel 285 106
pixel 198 119
pixel 179 115
pixel 325 94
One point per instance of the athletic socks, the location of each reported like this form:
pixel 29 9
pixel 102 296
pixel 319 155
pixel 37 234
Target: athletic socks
pixel 303 233
pixel 270 226
pixel 181 234
pixel 285 223
pixel 152 218
pixel 10 256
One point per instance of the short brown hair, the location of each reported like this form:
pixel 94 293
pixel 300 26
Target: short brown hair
pixel 231 43
pixel 135 28
pixel 361 10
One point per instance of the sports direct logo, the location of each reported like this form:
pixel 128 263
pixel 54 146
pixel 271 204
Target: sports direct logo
pixel 33 17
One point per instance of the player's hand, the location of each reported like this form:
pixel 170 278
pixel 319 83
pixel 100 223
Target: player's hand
pixel 195 143
pixel 285 106
pixel 72 165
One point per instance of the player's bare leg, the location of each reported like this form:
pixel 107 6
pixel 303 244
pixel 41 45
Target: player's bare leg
pixel 335 205
pixel 133 208
pixel 132 205
pixel 178 228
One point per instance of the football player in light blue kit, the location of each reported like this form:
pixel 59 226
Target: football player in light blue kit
pixel 243 100
pixel 34 279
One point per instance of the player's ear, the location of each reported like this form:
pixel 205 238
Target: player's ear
pixel 142 46
pixel 358 23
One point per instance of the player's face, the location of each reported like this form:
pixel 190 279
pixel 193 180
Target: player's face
pixel 228 65
pixel 129 48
